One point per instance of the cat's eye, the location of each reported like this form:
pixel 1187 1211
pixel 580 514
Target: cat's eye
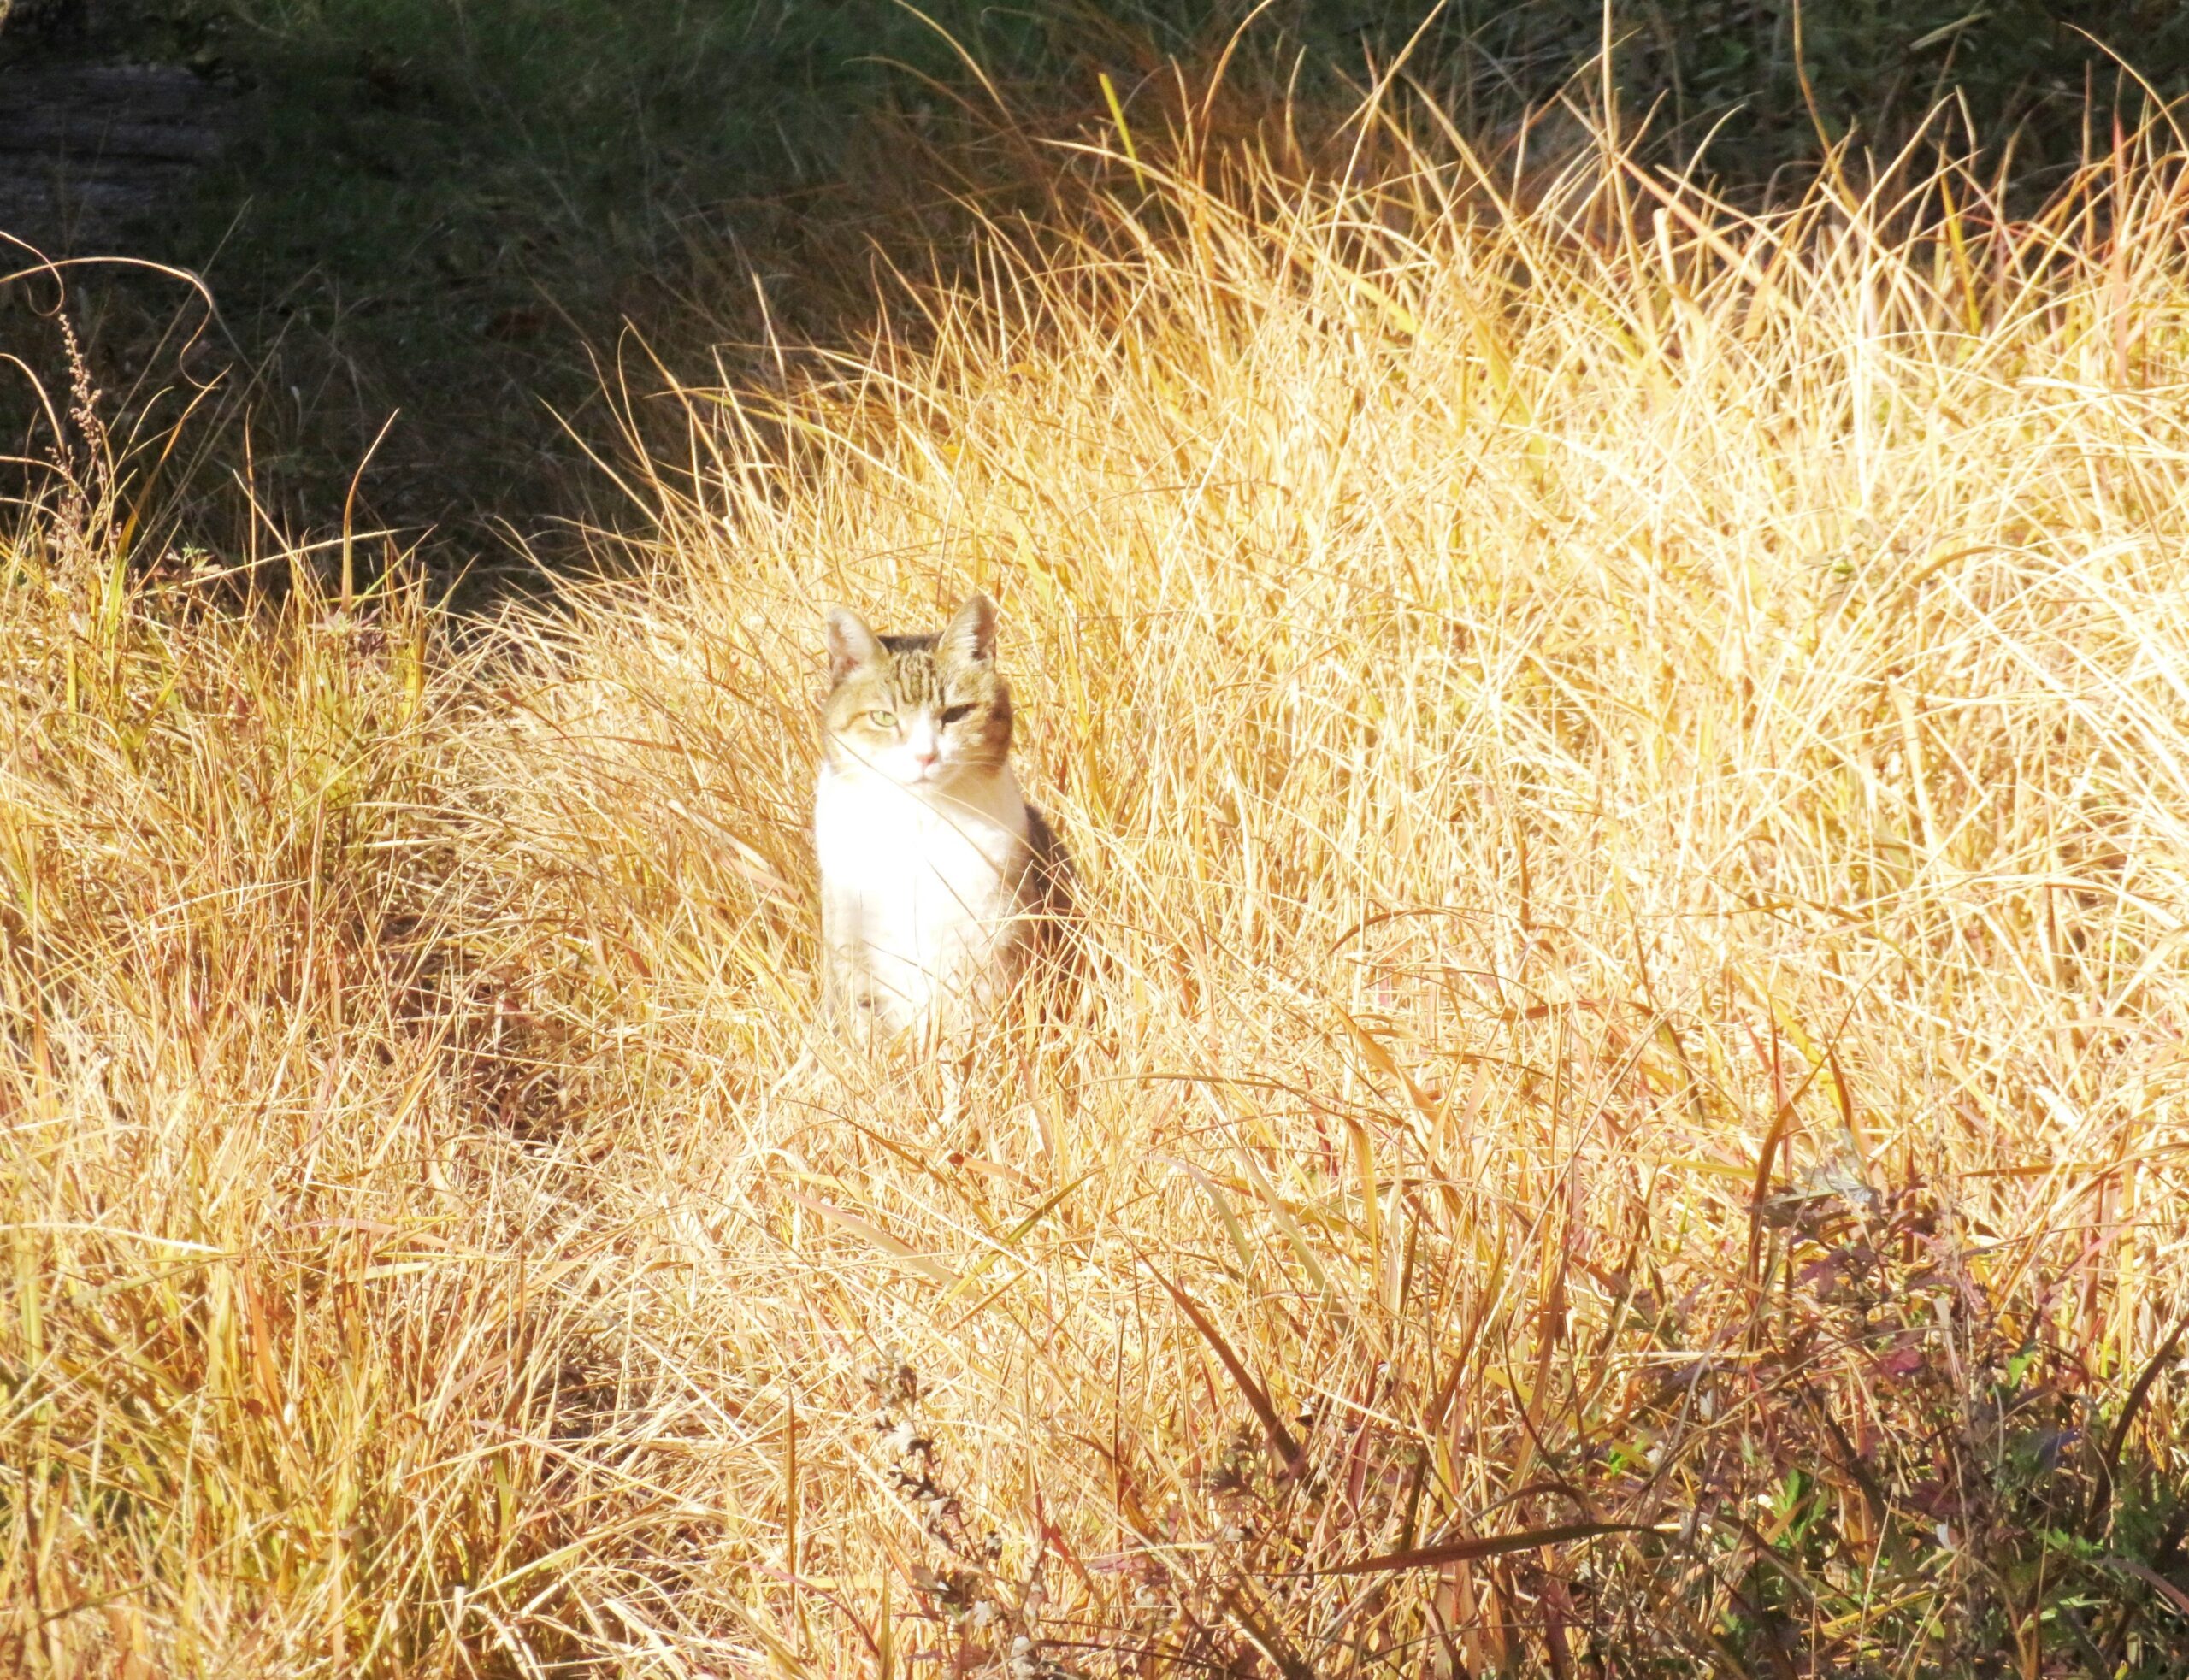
pixel 955 715
pixel 882 720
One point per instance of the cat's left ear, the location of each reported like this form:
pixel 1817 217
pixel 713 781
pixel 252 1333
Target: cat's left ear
pixel 970 637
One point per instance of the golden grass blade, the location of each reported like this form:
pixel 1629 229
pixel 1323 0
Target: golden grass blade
pixel 1283 1446
pixel 926 1264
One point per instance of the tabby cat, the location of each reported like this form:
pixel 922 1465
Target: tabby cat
pixel 940 886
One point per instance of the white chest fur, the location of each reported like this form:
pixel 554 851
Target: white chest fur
pixel 919 890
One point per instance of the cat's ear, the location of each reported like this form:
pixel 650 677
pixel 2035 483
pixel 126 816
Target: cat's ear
pixel 970 640
pixel 851 644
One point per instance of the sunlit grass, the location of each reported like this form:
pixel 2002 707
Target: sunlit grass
pixel 1632 766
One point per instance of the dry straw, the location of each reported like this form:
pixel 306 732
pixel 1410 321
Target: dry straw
pixel 1631 763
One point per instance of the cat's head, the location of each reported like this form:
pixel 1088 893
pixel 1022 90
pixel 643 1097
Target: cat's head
pixel 924 711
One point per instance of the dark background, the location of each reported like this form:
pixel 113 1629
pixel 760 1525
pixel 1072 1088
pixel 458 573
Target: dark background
pixel 460 213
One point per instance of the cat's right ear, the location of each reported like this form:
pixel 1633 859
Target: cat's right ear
pixel 851 644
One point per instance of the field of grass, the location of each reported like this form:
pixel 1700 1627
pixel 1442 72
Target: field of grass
pixel 1631 764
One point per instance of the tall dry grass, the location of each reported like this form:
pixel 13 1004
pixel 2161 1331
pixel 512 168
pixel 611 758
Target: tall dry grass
pixel 1631 764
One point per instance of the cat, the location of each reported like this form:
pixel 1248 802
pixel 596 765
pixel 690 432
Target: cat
pixel 941 887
